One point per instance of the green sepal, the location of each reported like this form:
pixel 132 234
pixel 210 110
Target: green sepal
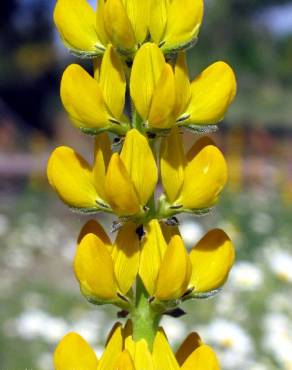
pixel 200 129
pixel 174 49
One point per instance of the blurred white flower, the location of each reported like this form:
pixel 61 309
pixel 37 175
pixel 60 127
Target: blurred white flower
pixel 246 276
pixel 280 262
pixel 277 338
pixel 191 231
pixel 175 329
pixel 233 344
pixel 32 324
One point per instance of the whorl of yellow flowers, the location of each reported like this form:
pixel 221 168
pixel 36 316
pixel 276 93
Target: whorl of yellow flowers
pixel 139 90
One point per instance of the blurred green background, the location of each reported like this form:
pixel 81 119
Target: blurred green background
pixel 250 321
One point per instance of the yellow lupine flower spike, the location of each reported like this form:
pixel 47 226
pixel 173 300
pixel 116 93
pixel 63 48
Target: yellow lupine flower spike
pixel 115 183
pixel 152 87
pixel 194 181
pixel 95 104
pixel 212 258
pixel 175 24
pixel 104 272
pixel 205 100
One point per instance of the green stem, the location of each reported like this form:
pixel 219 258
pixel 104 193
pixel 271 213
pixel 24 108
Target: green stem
pixel 137 122
pixel 145 320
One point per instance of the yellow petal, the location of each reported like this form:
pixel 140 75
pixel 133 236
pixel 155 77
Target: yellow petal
pixel 93 267
pixel 138 13
pixel 102 154
pixel 189 345
pixel 175 271
pixel 205 177
pixel 139 161
pixel 182 85
pixel 152 252
pixel 147 67
pixel 124 362
pixel 163 99
pixel 198 146
pixel 100 26
pixel 183 21
pixel 117 25
pixel 120 190
pixel 113 82
pixel 172 164
pixel 158 19
pixel 203 358
pixel 140 353
pixel 93 227
pixel 125 256
pixel 73 352
pixel 212 93
pixel 163 357
pixel 212 259
pixel 82 98
pixel 169 231
pixel 75 21
pixel 112 351
pixel 70 176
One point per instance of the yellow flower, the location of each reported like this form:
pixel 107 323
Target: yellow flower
pixel 205 100
pixel 124 23
pixel 168 272
pixel 96 104
pixel 165 97
pixel 175 24
pixel 120 183
pixel 106 272
pixel 123 353
pixel 152 87
pixel 195 180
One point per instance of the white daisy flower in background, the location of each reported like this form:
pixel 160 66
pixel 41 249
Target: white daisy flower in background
pixel 246 276
pixel 280 262
pixel 233 344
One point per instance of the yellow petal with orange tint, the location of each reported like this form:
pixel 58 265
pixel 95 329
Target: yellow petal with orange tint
pixel 172 164
pixel 138 13
pixel 183 22
pixel 119 188
pixel 118 25
pixel 102 155
pixel 93 267
pixel 163 99
pixel 113 350
pixel 139 161
pixel 125 255
pixel 175 271
pixel 152 251
pixel 163 357
pixel 82 98
pixel 182 85
pixel 73 352
pixel 124 362
pixel 75 21
pixel 212 93
pixel 205 177
pixel 204 358
pixel 212 259
pixel 113 82
pixel 189 345
pixel 158 19
pixel 94 227
pixel 147 67
pixel 70 176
